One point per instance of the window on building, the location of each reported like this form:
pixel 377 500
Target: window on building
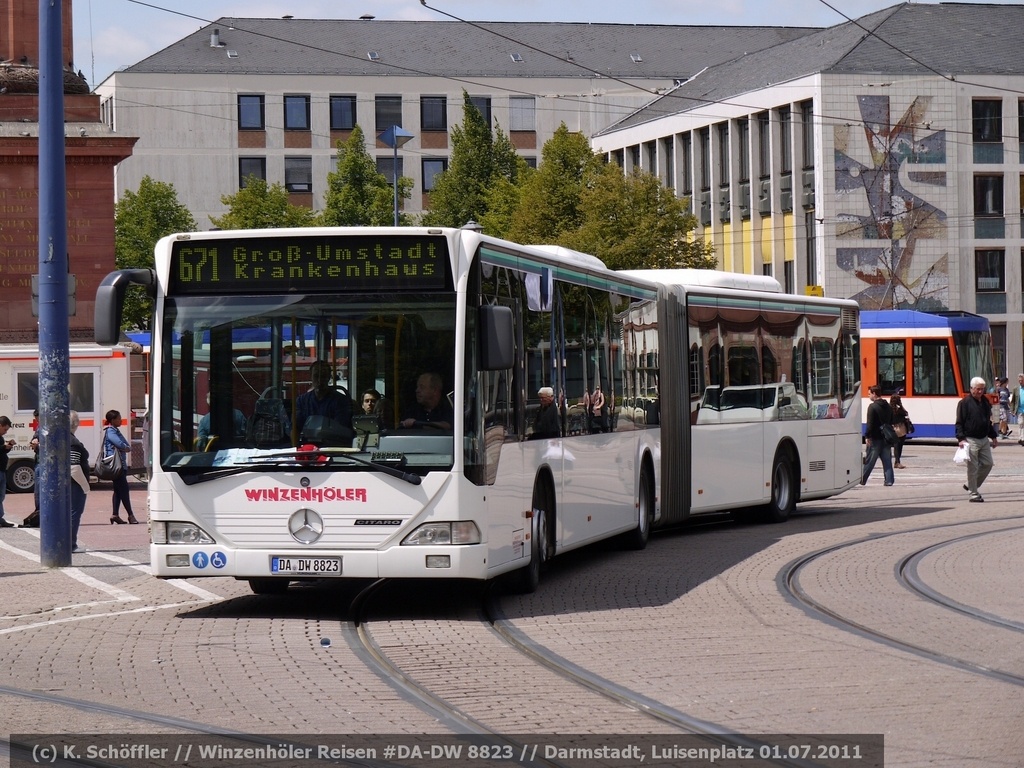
pixel 989 272
pixel 987 120
pixel 531 162
pixel 764 145
pixel 723 153
pixel 387 112
pixel 483 106
pixel 743 146
pixel 705 158
pixel 386 167
pixel 686 163
pixel 251 166
pixel 434 113
pixel 988 195
pixel 785 140
pixel 296 113
pixel 432 166
pixel 298 174
pixel 251 112
pixel 807 118
pixel 668 161
pixel 522 113
pixel 343 112
pixel 789 276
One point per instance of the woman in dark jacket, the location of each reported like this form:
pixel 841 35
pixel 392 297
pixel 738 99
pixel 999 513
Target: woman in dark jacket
pixel 900 416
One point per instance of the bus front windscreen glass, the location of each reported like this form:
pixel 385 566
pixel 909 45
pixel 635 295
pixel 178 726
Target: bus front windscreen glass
pixel 334 382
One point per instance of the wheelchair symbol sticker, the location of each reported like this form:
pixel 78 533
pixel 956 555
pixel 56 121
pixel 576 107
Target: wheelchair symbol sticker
pixel 218 559
pixel 200 560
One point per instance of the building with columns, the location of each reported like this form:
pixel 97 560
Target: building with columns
pixel 880 160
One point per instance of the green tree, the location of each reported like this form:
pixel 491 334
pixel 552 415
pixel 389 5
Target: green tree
pixel 633 222
pixel 357 195
pixel 140 219
pixel 258 205
pixel 479 160
pixel 549 204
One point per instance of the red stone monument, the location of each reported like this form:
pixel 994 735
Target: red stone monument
pixel 91 151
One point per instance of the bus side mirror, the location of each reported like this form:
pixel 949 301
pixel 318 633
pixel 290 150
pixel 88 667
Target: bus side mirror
pixel 497 339
pixel 110 301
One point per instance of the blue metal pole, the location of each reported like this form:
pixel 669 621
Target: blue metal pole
pixel 54 338
pixel 394 170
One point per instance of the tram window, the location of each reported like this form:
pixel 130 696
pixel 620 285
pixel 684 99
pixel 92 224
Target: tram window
pixel 933 369
pixel 892 366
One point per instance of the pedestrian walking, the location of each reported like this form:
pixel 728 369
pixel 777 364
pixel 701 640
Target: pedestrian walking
pixel 975 430
pixel 902 426
pixel 1003 395
pixel 1017 407
pixel 5 448
pixel 879 413
pixel 79 479
pixel 113 440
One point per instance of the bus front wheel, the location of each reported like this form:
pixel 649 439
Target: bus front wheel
pixel 268 586
pixel 528 578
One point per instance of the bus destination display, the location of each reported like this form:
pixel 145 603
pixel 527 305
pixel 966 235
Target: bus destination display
pixel 309 263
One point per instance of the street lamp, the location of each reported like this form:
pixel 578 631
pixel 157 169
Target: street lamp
pixel 395 137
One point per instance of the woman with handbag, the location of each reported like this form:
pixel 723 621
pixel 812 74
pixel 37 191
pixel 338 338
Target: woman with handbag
pixel 113 440
pixel 902 425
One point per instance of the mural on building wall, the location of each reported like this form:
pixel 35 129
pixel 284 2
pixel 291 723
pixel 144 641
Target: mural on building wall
pixel 874 206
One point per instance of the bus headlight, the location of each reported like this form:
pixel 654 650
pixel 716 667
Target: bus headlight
pixel 179 533
pixel 460 532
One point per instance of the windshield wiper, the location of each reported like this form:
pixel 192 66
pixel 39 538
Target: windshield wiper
pixel 299 458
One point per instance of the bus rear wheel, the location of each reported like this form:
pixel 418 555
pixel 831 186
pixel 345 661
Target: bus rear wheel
pixel 783 498
pixel 639 536
pixel 268 586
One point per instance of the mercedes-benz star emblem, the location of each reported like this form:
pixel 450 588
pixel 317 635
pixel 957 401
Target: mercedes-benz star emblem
pixel 306 526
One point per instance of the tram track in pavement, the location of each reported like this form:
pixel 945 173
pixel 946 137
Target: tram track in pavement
pixel 498 644
pixel 907 578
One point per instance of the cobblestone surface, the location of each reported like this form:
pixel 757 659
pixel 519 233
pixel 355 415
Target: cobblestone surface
pixel 698 621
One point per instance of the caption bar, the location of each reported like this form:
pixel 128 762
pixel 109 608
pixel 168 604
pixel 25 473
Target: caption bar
pixel 467 751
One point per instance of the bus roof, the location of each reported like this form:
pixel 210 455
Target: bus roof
pixel 709 278
pixel 909 318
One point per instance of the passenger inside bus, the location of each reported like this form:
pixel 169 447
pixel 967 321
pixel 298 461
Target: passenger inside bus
pixel 203 438
pixel 432 408
pixel 324 414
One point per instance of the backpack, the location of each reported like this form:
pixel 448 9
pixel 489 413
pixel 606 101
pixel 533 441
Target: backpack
pixel 267 424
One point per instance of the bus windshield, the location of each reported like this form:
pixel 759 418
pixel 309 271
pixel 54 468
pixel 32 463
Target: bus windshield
pixel 250 380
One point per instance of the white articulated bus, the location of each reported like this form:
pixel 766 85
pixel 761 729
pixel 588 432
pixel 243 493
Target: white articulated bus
pixel 288 482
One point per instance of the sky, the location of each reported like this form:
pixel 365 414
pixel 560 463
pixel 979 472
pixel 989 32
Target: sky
pixel 113 34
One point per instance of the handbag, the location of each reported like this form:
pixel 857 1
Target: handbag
pixel 900 429
pixel 889 434
pixel 110 467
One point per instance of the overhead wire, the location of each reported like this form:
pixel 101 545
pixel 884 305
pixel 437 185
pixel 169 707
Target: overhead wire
pixel 823 120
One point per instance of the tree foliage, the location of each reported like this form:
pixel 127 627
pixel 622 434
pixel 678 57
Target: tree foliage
pixel 633 222
pixel 549 204
pixel 258 205
pixel 140 219
pixel 479 160
pixel 357 195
